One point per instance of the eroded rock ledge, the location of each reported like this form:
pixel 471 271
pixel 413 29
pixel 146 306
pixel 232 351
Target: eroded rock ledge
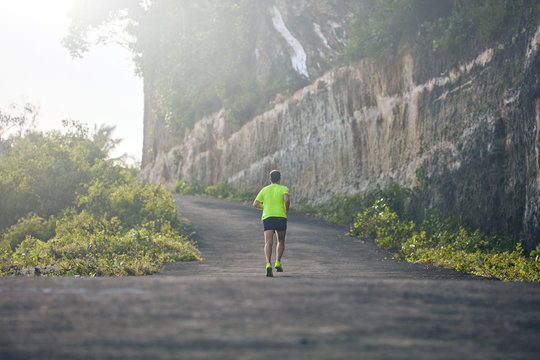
pixel 473 131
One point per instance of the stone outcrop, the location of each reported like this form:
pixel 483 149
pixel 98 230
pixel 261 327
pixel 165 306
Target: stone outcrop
pixel 471 131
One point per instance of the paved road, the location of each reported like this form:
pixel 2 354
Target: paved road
pixel 339 298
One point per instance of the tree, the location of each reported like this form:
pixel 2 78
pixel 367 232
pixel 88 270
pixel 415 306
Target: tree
pixel 43 173
pixel 198 56
pixel 17 120
pixel 100 21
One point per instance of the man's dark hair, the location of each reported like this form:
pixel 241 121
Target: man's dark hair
pixel 275 175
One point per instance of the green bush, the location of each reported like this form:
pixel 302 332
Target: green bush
pixel 382 225
pixel 188 188
pixel 43 173
pixel 132 204
pixel 31 225
pixel 441 241
pixel 89 244
pixel 243 195
pixel 506 265
pixel 342 209
pixel 536 253
pixel 222 190
pixel 138 252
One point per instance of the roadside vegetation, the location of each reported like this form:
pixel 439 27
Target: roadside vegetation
pixel 392 218
pixel 222 190
pixel 65 209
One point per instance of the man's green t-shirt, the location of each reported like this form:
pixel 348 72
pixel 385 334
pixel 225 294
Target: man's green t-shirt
pixel 271 197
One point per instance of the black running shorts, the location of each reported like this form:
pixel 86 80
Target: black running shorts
pixel 275 223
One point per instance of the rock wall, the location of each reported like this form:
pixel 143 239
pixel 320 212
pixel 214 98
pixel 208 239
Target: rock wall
pixel 471 131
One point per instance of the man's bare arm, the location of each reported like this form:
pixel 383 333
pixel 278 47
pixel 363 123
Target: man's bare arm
pixel 287 199
pixel 258 204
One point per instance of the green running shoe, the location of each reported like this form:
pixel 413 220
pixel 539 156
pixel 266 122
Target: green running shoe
pixel 269 272
pixel 279 267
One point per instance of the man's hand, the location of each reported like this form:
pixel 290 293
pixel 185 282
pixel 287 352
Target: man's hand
pixel 287 199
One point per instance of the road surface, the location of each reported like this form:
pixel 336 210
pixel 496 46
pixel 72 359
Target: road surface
pixel 339 298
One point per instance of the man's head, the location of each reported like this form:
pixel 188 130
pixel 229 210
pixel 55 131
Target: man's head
pixel 275 176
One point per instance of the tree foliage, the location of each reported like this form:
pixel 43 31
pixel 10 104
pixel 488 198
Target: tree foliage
pixel 15 121
pixel 198 56
pixel 450 25
pixel 88 17
pixel 42 173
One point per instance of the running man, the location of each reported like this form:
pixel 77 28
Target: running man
pixel 274 201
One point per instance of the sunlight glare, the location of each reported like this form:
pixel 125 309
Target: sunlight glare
pixel 36 68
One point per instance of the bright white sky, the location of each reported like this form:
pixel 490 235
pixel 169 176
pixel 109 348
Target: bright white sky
pixel 99 89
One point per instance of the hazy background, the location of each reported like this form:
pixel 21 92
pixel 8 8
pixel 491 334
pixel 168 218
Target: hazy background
pixel 34 67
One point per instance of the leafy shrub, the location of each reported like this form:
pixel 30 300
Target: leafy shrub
pixel 31 225
pixel 86 244
pixel 506 265
pixel 382 225
pixel 222 190
pixel 131 204
pixel 243 195
pixel 42 174
pixel 536 253
pixel 342 209
pixel 188 188
pixel 444 243
pixel 137 252
pixel 84 223
pixel 33 251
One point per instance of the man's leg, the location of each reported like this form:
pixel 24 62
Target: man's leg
pixel 279 250
pixel 268 244
pixel 281 244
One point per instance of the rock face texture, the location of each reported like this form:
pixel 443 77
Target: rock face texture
pixel 470 132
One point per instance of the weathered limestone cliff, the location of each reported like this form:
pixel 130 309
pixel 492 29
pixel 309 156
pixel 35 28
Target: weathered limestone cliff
pixel 471 131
